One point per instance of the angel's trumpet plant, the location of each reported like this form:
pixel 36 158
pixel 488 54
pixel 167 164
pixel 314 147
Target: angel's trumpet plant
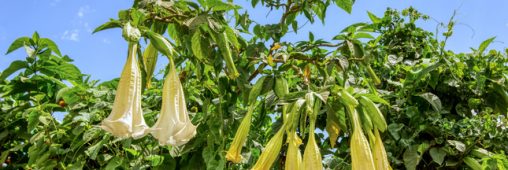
pixel 235 150
pixel 173 126
pixel 126 118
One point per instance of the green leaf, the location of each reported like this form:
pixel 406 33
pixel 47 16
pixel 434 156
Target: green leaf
pixel 433 100
pixel 394 130
pixel 458 145
pixel 373 18
pixel 18 43
pixel 197 49
pixel 485 44
pixel 114 163
pixel 422 72
pixel 155 160
pixel 218 5
pixel 256 90
pixel 33 119
pixel 254 2
pixel 411 158
pixel 51 45
pixel 15 66
pixel 108 25
pixel 346 5
pixel 363 35
pixel 437 155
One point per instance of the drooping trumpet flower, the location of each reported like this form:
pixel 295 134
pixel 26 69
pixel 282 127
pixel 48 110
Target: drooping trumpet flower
pixel 312 156
pixel 379 155
pixel 271 151
pixel 126 118
pixel 173 126
pixel 293 156
pixel 235 150
pixel 361 154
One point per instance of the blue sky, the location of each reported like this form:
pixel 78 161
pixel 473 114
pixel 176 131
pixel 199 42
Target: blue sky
pixel 70 23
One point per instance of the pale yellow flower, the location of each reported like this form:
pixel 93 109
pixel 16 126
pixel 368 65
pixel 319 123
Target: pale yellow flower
pixel 235 150
pixel 126 118
pixel 312 156
pixel 379 155
pixel 271 151
pixel 361 155
pixel 293 156
pixel 173 126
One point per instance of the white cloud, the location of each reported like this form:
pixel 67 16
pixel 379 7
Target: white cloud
pixel 83 10
pixel 72 35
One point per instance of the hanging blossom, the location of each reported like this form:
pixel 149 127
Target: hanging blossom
pixel 126 118
pixel 235 150
pixel 173 126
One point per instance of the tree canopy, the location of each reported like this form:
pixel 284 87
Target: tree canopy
pixel 381 94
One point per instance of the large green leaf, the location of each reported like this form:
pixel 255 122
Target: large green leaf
pixel 485 44
pixel 51 45
pixel 108 25
pixel 437 155
pixel 411 158
pixel 18 43
pixel 197 49
pixel 433 100
pixel 15 66
pixel 346 5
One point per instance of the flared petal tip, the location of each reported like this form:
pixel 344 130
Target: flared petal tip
pixel 234 157
pixel 121 129
pixel 181 137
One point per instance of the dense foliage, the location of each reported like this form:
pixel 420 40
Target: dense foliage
pixel 443 110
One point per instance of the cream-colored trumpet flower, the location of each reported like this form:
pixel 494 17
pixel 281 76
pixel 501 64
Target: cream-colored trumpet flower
pixel 361 155
pixel 271 151
pixel 173 126
pixel 126 118
pixel 293 156
pixel 379 155
pixel 312 156
pixel 235 150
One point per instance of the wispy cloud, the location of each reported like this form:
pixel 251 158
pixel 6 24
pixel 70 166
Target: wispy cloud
pixel 83 10
pixel 72 35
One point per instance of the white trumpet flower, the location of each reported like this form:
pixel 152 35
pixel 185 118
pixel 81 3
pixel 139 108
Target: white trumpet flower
pixel 126 118
pixel 173 126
